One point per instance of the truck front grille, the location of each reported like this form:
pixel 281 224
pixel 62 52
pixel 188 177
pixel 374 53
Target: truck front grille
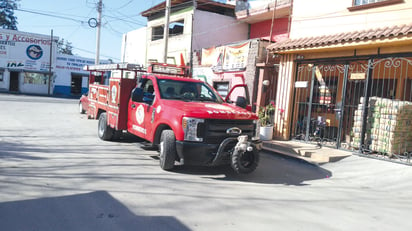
pixel 213 131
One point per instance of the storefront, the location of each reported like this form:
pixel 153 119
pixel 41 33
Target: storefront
pixel 71 80
pixel 354 95
pixel 26 62
pixel 244 62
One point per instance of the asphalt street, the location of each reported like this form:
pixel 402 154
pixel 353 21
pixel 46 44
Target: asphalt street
pixel 56 174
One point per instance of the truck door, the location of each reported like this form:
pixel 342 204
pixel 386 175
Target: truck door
pixel 140 110
pixel 239 95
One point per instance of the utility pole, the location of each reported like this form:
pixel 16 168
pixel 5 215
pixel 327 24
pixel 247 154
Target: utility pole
pixel 50 62
pixel 166 30
pixel 99 24
pixel 191 36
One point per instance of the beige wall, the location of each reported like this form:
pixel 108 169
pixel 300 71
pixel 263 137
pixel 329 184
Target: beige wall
pixel 320 17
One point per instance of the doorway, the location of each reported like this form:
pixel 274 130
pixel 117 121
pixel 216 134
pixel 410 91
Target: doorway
pixel 14 81
pixel 76 84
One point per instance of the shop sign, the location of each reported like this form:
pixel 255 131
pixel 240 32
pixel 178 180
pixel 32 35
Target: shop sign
pixel 357 76
pixel 301 84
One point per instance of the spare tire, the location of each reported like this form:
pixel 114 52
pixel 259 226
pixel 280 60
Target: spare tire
pixel 244 162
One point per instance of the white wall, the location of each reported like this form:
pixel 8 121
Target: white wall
pixel 4 84
pixel 214 29
pixel 319 17
pixel 65 66
pixel 134 46
pixel 41 89
pixel 176 45
pixel 210 29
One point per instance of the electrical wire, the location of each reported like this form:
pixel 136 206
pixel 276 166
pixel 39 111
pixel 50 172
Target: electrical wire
pixel 51 15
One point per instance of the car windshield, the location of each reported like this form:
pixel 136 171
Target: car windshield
pixel 187 91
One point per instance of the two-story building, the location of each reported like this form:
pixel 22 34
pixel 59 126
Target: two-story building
pixel 346 74
pixel 26 62
pixel 193 25
pixel 225 41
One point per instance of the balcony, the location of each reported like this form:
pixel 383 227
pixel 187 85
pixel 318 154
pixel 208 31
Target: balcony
pixel 258 11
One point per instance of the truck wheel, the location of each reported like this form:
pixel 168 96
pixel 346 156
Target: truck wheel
pixel 104 131
pixel 167 150
pixel 81 110
pixel 244 161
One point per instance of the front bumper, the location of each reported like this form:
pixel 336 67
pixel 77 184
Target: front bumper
pixel 201 154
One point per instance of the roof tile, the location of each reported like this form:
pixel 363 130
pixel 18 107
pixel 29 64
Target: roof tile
pixel 386 32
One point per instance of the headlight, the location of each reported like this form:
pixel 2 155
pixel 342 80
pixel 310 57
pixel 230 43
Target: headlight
pixel 190 127
pixel 256 136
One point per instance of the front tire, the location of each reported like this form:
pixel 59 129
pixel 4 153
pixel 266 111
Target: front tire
pixel 245 162
pixel 167 150
pixel 104 131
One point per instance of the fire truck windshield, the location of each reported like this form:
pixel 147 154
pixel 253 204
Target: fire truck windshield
pixel 187 91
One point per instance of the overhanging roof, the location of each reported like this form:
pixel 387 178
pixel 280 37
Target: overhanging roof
pixel 348 39
pixel 207 5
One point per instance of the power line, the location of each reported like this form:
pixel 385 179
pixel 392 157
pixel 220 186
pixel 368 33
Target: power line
pixel 51 15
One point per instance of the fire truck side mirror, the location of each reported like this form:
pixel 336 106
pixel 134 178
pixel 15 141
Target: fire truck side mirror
pixel 137 95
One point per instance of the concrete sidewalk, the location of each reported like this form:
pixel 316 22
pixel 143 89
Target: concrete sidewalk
pixel 306 151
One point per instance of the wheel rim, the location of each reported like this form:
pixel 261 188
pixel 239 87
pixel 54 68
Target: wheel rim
pixel 161 147
pixel 247 159
pixel 101 128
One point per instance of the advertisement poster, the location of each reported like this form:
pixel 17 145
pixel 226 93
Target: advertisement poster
pixel 236 57
pixel 226 58
pixel 27 51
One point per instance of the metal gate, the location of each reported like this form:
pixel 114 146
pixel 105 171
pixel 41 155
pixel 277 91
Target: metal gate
pixel 363 105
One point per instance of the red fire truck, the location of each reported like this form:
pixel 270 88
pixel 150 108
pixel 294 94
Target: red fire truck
pixel 185 118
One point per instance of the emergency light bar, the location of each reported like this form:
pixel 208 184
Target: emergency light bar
pixel 162 68
pixel 113 66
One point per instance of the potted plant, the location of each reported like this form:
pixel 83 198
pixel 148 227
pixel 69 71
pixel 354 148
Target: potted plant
pixel 265 119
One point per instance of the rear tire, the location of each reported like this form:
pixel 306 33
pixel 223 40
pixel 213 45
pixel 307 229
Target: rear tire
pixel 167 150
pixel 245 162
pixel 104 131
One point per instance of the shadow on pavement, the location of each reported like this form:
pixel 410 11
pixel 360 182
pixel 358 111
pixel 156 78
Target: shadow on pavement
pixel 272 169
pixel 91 211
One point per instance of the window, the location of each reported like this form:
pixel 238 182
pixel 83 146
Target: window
pixel 175 28
pixel 1 76
pixel 366 4
pixel 35 78
pixel 222 88
pixel 157 33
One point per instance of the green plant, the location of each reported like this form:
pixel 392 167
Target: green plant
pixel 265 114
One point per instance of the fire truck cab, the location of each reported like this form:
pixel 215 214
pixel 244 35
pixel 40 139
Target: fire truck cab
pixel 185 118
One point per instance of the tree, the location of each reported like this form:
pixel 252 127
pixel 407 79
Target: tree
pixel 7 18
pixel 64 47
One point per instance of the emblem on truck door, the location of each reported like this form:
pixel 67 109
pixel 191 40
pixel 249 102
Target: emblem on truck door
pixel 140 114
pixel 234 131
pixel 114 93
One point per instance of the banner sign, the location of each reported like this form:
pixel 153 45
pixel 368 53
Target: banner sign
pixel 226 58
pixel 26 51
